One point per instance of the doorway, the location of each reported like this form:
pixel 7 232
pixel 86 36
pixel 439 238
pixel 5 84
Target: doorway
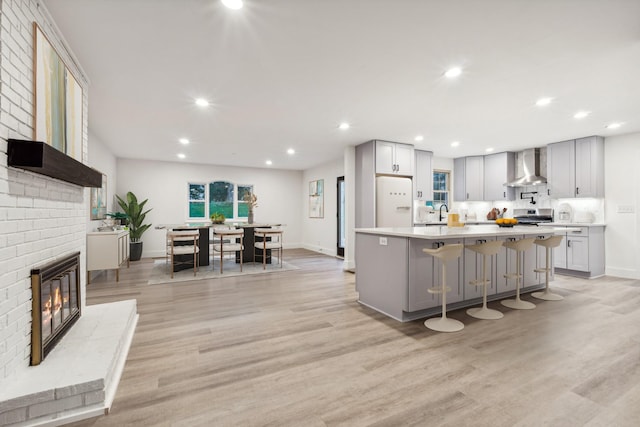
pixel 341 213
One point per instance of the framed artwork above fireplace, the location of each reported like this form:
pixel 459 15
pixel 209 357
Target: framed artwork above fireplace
pixel 58 99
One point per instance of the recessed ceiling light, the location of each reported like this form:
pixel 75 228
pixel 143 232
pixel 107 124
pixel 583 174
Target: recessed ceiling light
pixel 181 155
pixel 201 102
pixel 543 101
pixel 233 4
pixel 489 150
pixel 452 73
pixel 268 163
pixel 419 138
pixel 581 114
pixel 344 126
pixel 455 143
pixel 184 141
pixel 291 151
pixel 613 125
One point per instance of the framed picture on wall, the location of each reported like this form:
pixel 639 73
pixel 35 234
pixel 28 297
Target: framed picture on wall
pixel 316 199
pixel 58 99
pixel 98 201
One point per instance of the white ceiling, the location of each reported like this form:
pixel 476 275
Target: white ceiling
pixel 285 73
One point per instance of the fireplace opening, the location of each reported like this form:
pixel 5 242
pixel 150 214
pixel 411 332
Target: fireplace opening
pixel 56 303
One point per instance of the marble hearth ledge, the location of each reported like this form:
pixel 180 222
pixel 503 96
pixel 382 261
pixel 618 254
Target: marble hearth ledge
pixel 79 378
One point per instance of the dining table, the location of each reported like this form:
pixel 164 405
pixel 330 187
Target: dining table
pixel 204 240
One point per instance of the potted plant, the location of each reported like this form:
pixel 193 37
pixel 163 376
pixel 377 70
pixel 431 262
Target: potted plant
pixel 135 216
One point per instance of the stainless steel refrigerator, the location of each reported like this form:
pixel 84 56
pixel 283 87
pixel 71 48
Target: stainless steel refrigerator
pixel 394 201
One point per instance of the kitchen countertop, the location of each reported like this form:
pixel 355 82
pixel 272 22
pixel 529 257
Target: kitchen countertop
pixel 444 222
pixel 578 224
pixel 460 232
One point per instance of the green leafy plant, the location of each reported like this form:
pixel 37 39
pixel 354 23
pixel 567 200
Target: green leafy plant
pixel 135 214
pixel 217 218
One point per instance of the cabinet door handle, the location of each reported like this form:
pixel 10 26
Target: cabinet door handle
pixel 504 194
pixel 568 243
pixel 577 190
pixel 467 196
pixel 548 192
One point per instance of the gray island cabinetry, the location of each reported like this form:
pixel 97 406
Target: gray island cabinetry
pixel 393 274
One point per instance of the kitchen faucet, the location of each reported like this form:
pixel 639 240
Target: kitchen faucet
pixel 446 207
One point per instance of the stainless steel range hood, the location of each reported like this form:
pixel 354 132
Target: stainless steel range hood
pixel 530 168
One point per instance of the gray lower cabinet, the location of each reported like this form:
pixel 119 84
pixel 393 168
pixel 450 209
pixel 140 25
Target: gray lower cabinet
pixel 581 252
pixel 386 286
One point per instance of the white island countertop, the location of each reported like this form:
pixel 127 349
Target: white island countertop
pixel 441 232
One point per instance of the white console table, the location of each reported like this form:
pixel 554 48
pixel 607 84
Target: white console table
pixel 107 250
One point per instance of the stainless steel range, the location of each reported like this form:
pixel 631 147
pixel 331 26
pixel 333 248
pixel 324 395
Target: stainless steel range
pixel 533 216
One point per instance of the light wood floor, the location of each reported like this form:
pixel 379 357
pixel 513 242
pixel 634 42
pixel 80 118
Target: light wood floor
pixel 296 349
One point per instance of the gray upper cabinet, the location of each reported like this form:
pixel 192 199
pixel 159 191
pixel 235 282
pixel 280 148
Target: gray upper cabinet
pixel 468 178
pixel 575 168
pixel 561 169
pixel 590 167
pixel 499 169
pixel 423 176
pixel 393 158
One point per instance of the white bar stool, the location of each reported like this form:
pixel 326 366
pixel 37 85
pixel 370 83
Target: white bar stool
pixel 520 246
pixel 548 243
pixel 485 249
pixel 444 253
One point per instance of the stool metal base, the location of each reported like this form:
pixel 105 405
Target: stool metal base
pixel 485 313
pixel 547 296
pixel 518 304
pixel 444 324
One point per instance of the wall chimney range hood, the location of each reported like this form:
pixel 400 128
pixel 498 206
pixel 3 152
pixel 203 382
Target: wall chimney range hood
pixel 531 170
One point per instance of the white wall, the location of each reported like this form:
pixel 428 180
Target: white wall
pixel 165 185
pixel 41 218
pixel 320 234
pixel 622 188
pixel 101 158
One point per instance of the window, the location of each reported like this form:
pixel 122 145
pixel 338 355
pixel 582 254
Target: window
pixel 440 188
pixel 222 197
pixel 243 209
pixel 196 201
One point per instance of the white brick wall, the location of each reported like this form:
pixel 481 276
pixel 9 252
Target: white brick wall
pixel 40 218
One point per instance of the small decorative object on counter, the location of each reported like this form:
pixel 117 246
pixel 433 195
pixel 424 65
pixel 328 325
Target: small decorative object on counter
pixel 506 222
pixel 495 213
pixel 217 218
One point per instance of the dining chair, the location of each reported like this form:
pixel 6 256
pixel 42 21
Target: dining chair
pixel 183 242
pixel 228 240
pixel 270 240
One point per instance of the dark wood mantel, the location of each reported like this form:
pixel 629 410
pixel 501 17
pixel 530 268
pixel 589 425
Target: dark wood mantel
pixel 39 157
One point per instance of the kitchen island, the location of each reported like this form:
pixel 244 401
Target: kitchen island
pixel 393 273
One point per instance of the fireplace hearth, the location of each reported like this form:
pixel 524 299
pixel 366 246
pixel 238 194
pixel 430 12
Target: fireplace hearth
pixel 56 303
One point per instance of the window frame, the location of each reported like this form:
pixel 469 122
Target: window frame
pixel 447 192
pixel 207 199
